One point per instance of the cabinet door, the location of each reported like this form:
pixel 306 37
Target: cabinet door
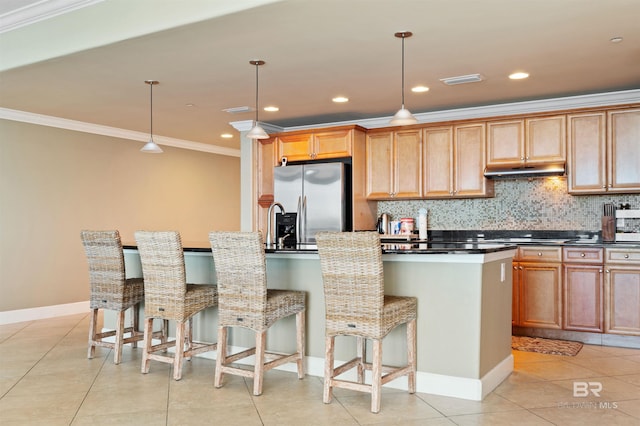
pixel 379 152
pixel 515 302
pixel 623 152
pixel 540 295
pixel 505 143
pixel 545 140
pixel 622 300
pixel 332 144
pixel 407 164
pixel 438 162
pixel 586 161
pixel 583 298
pixel 470 161
pixel 294 147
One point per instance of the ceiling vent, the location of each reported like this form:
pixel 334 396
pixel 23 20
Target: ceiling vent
pixel 471 78
pixel 238 110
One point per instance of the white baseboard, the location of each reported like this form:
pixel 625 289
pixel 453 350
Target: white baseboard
pixel 32 314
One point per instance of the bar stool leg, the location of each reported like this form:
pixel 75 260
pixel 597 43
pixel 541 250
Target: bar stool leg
pixel 179 355
pixel 148 331
pixel 300 337
pixel 411 354
pixel 328 369
pixel 135 322
pixel 117 347
pixel 258 371
pixel 376 383
pixel 221 357
pixel 93 324
pixel 361 354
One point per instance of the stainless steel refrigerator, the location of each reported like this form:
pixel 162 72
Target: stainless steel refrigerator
pixel 318 193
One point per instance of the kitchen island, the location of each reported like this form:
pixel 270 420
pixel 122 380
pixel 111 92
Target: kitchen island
pixel 464 311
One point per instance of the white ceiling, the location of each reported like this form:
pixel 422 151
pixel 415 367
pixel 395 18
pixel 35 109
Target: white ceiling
pixel 89 64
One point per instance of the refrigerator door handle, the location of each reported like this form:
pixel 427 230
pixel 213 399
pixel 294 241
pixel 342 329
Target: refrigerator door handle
pixel 298 220
pixel 304 218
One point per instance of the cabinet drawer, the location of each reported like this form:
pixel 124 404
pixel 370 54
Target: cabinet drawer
pixel 582 255
pixel 622 255
pixel 539 254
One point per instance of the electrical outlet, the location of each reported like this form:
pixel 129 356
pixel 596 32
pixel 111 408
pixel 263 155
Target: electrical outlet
pixel 503 272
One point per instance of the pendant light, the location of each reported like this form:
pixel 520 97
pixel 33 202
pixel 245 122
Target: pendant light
pixel 403 116
pixel 151 147
pixel 256 131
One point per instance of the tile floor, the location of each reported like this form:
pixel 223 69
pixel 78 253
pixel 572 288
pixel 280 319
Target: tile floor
pixel 46 379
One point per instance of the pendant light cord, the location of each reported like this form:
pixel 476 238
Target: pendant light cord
pixel 151 114
pixel 257 65
pixel 403 37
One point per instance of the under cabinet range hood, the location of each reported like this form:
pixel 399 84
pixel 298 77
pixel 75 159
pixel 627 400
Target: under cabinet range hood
pixel 543 170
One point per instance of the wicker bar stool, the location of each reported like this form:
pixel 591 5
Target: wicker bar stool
pixel 110 289
pixel 245 301
pixel 356 305
pixel 167 296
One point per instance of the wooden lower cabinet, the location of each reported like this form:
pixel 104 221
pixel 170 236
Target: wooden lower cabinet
pixel 622 300
pixel 583 282
pixel 540 295
pixel 538 276
pixel 622 291
pixel 583 298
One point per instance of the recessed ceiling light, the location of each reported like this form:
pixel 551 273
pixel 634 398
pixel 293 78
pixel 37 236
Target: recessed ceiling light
pixel 616 40
pixel 226 135
pixel 518 75
pixel 271 108
pixel 340 99
pixel 420 89
pixel 189 105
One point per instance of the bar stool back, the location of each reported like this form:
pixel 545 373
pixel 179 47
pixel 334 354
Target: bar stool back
pixel 245 301
pixel 167 296
pixel 110 289
pixel 355 303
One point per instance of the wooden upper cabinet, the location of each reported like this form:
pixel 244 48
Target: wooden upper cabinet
pixel 470 161
pixel 438 162
pixel 545 140
pixel 623 137
pixel 586 161
pixel 505 142
pixel 455 161
pixel 296 147
pixel 332 144
pixel 315 145
pixel 394 164
pixel 603 152
pixel 531 141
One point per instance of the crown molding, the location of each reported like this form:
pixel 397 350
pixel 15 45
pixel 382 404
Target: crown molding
pixel 97 129
pixel 526 107
pixel 39 11
pixel 246 125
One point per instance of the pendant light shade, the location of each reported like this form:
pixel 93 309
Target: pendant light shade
pixel 151 147
pixel 256 131
pixel 403 116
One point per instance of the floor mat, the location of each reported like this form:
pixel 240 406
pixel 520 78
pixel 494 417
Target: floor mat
pixel 545 346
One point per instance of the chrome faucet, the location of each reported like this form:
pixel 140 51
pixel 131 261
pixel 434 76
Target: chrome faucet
pixel 269 241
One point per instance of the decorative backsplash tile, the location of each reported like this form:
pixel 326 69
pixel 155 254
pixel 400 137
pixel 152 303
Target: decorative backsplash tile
pixel 519 204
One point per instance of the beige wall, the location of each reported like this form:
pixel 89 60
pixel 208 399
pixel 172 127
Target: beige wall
pixel 53 183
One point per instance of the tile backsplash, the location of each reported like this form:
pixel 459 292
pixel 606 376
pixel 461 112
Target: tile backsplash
pixel 519 204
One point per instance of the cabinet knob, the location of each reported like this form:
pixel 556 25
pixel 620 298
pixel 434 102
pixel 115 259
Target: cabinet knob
pixel 539 253
pixel 600 270
pixel 582 254
pixel 626 256
pixel 515 268
pixel 521 268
